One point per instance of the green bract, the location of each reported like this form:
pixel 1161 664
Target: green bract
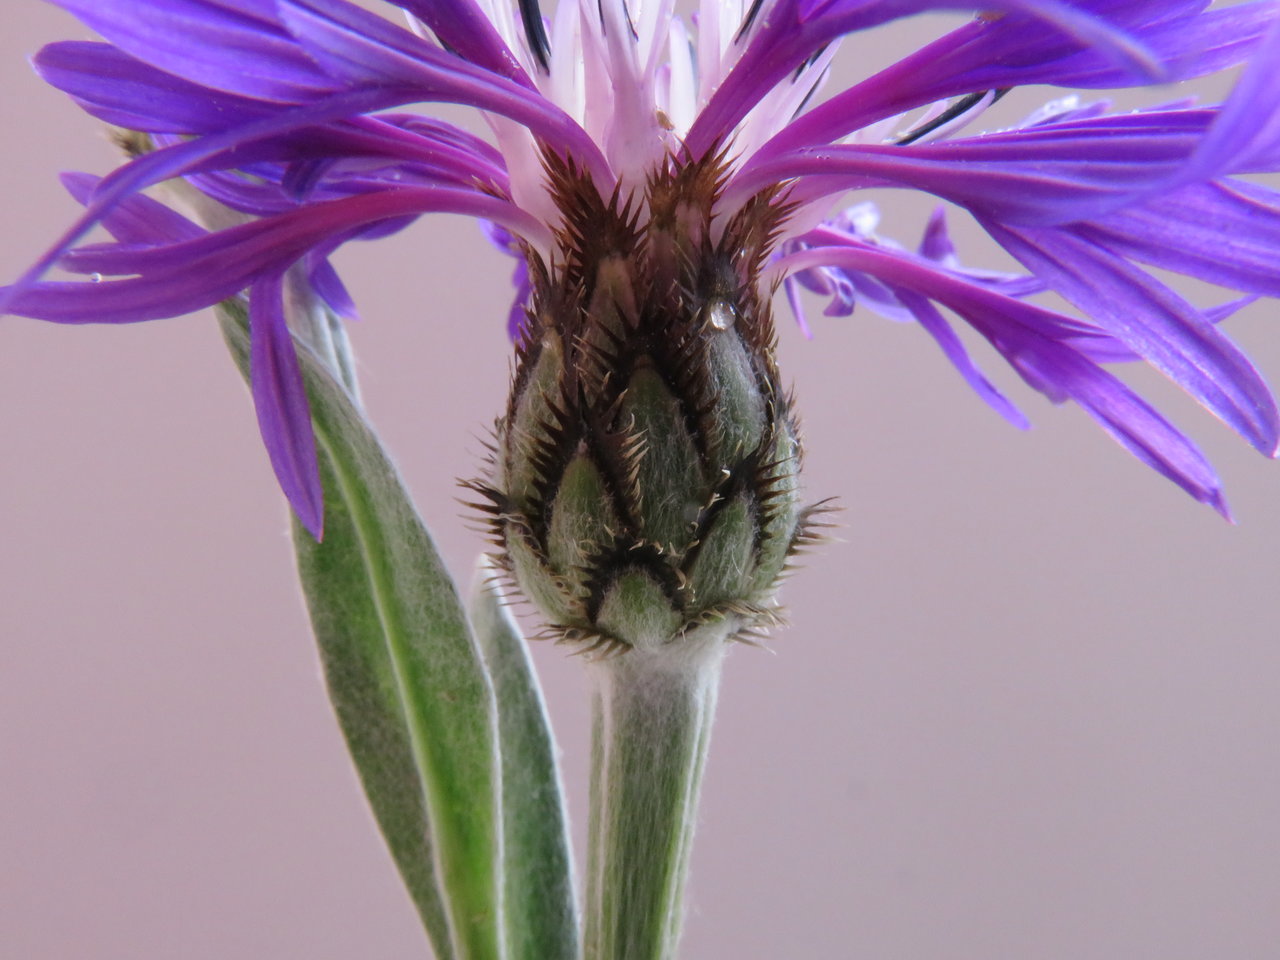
pixel 644 482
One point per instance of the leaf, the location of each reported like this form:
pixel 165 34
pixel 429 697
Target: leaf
pixel 403 671
pixel 541 916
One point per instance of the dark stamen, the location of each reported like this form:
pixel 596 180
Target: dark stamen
pixel 625 12
pixel 809 61
pixel 535 33
pixel 813 90
pixel 953 112
pixel 748 20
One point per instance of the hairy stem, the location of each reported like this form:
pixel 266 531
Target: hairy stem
pixel 652 721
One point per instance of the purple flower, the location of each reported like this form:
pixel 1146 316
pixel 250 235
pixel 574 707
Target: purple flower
pixel 289 113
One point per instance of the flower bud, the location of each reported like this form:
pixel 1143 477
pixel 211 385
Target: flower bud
pixel 644 478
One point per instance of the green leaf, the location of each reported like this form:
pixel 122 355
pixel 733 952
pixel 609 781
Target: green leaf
pixel 403 670
pixel 541 917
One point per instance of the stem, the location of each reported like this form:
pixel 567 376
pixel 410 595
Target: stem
pixel 652 724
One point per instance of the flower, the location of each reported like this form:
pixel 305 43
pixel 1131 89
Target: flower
pixel 290 113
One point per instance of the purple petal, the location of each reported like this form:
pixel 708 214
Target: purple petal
pixel 137 219
pixel 897 302
pixel 439 132
pixel 1187 40
pixel 795 29
pixel 166 281
pixel 1246 134
pixel 329 287
pixel 116 88
pixel 1036 342
pixel 935 324
pixel 1192 42
pixel 280 399
pixel 227 148
pixel 1130 420
pixel 462 27
pixel 220 45
pixel 332 162
pixel 364 48
pixel 1049 173
pixel 518 315
pixel 935 246
pixel 1155 323
pixel 1225 233
pixel 936 243
pixel 792 288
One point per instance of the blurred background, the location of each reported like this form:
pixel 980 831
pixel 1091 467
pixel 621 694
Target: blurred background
pixel 1026 707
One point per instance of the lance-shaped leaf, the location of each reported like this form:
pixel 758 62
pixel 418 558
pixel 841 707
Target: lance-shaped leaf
pixel 403 670
pixel 541 917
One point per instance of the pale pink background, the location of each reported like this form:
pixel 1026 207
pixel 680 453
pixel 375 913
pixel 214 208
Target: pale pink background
pixel 1028 709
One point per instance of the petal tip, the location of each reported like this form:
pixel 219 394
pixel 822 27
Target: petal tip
pixel 1215 499
pixel 311 516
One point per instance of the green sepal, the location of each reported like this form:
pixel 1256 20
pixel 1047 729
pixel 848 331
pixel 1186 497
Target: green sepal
pixel 669 473
pixel 725 563
pixel 582 522
pixel 403 671
pixel 551 592
pixel 638 611
pixel 738 408
pixel 533 417
pixel 780 515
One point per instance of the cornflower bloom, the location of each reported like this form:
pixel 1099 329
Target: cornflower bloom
pixel 656 186
pixel 286 112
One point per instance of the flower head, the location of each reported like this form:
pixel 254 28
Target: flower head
pixel 291 114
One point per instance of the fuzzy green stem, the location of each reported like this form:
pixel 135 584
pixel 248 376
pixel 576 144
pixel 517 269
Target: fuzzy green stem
pixel 652 723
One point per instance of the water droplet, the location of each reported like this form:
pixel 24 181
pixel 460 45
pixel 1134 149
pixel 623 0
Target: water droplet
pixel 95 278
pixel 721 315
